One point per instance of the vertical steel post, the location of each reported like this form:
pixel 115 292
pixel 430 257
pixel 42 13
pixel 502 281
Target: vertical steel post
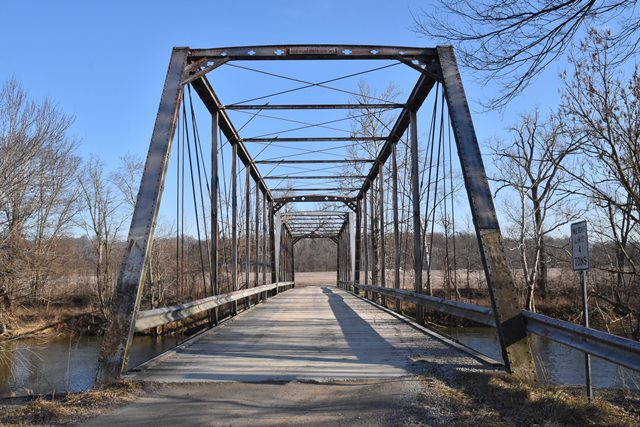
pixel 352 247
pixel 126 300
pixel 338 244
pixel 287 258
pixel 293 261
pixel 214 210
pixel 283 276
pixel 256 241
pixel 510 324
pixel 396 228
pixel 234 223
pixel 291 267
pixel 247 233
pixel 358 244
pixel 374 261
pixel 278 246
pixel 383 269
pixel 264 239
pixel 363 208
pixel 415 204
pixel 272 245
pixel 585 323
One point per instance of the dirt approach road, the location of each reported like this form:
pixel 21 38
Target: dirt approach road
pixel 310 356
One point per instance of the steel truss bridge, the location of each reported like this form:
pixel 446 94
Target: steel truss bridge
pixel 348 199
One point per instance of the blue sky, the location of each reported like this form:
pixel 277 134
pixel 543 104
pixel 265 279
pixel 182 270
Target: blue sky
pixel 104 62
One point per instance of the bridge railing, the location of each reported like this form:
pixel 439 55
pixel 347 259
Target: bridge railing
pixel 161 316
pixel 612 348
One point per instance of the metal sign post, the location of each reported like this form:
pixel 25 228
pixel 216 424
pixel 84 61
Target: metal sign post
pixel 580 262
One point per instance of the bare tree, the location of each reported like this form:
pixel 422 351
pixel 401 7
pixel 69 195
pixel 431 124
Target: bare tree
pixel 104 214
pixel 512 42
pixel 530 166
pixel 37 169
pixel 604 114
pixel 56 201
pixel 127 178
pixel 370 123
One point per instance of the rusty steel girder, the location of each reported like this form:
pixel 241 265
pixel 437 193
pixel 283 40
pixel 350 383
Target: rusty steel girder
pixel 435 65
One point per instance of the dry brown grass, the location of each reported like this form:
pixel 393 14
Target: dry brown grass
pixel 315 278
pixel 62 320
pixel 498 399
pixel 71 408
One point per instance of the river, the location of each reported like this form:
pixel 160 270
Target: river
pixel 67 364
pixel 36 366
pixel 555 363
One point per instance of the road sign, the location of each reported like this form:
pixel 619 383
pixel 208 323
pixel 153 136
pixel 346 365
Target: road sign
pixel 579 246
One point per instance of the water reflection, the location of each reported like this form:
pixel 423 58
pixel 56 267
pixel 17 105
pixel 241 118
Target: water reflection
pixel 42 366
pixel 555 363
pixel 63 364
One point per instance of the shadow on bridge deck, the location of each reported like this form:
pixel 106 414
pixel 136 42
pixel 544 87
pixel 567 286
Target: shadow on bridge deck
pixel 307 334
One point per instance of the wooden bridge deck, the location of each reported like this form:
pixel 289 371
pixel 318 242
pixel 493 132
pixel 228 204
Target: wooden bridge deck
pixel 318 333
pixel 311 356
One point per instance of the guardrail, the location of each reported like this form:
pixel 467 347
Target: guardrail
pixel 161 316
pixel 476 313
pixel 612 348
pixel 615 349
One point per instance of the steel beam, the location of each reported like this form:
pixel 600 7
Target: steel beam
pixel 264 239
pixel 317 139
pixel 210 100
pixel 352 246
pixel 257 238
pixel 126 300
pixel 418 95
pixel 299 228
pixel 415 204
pixel 234 223
pixel 278 245
pixel 374 260
pixel 279 202
pixel 296 239
pixel 247 232
pixel 338 257
pixel 312 213
pixel 243 107
pixel 396 227
pixel 313 219
pixel 199 68
pixel 325 177
pixel 507 308
pixel 297 190
pixel 311 222
pixel 383 254
pixel 214 209
pixel 363 208
pixel 311 162
pixel 272 241
pixel 316 229
pixel 312 52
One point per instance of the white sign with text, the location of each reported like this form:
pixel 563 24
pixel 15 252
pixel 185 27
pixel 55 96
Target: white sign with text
pixel 579 246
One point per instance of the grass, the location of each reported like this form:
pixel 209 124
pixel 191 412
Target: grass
pixel 63 319
pixel 498 399
pixel 69 408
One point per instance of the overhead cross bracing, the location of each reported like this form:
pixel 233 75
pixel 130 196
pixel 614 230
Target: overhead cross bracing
pixel 248 136
pixel 288 136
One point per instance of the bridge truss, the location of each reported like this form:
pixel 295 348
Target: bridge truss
pixel 277 230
